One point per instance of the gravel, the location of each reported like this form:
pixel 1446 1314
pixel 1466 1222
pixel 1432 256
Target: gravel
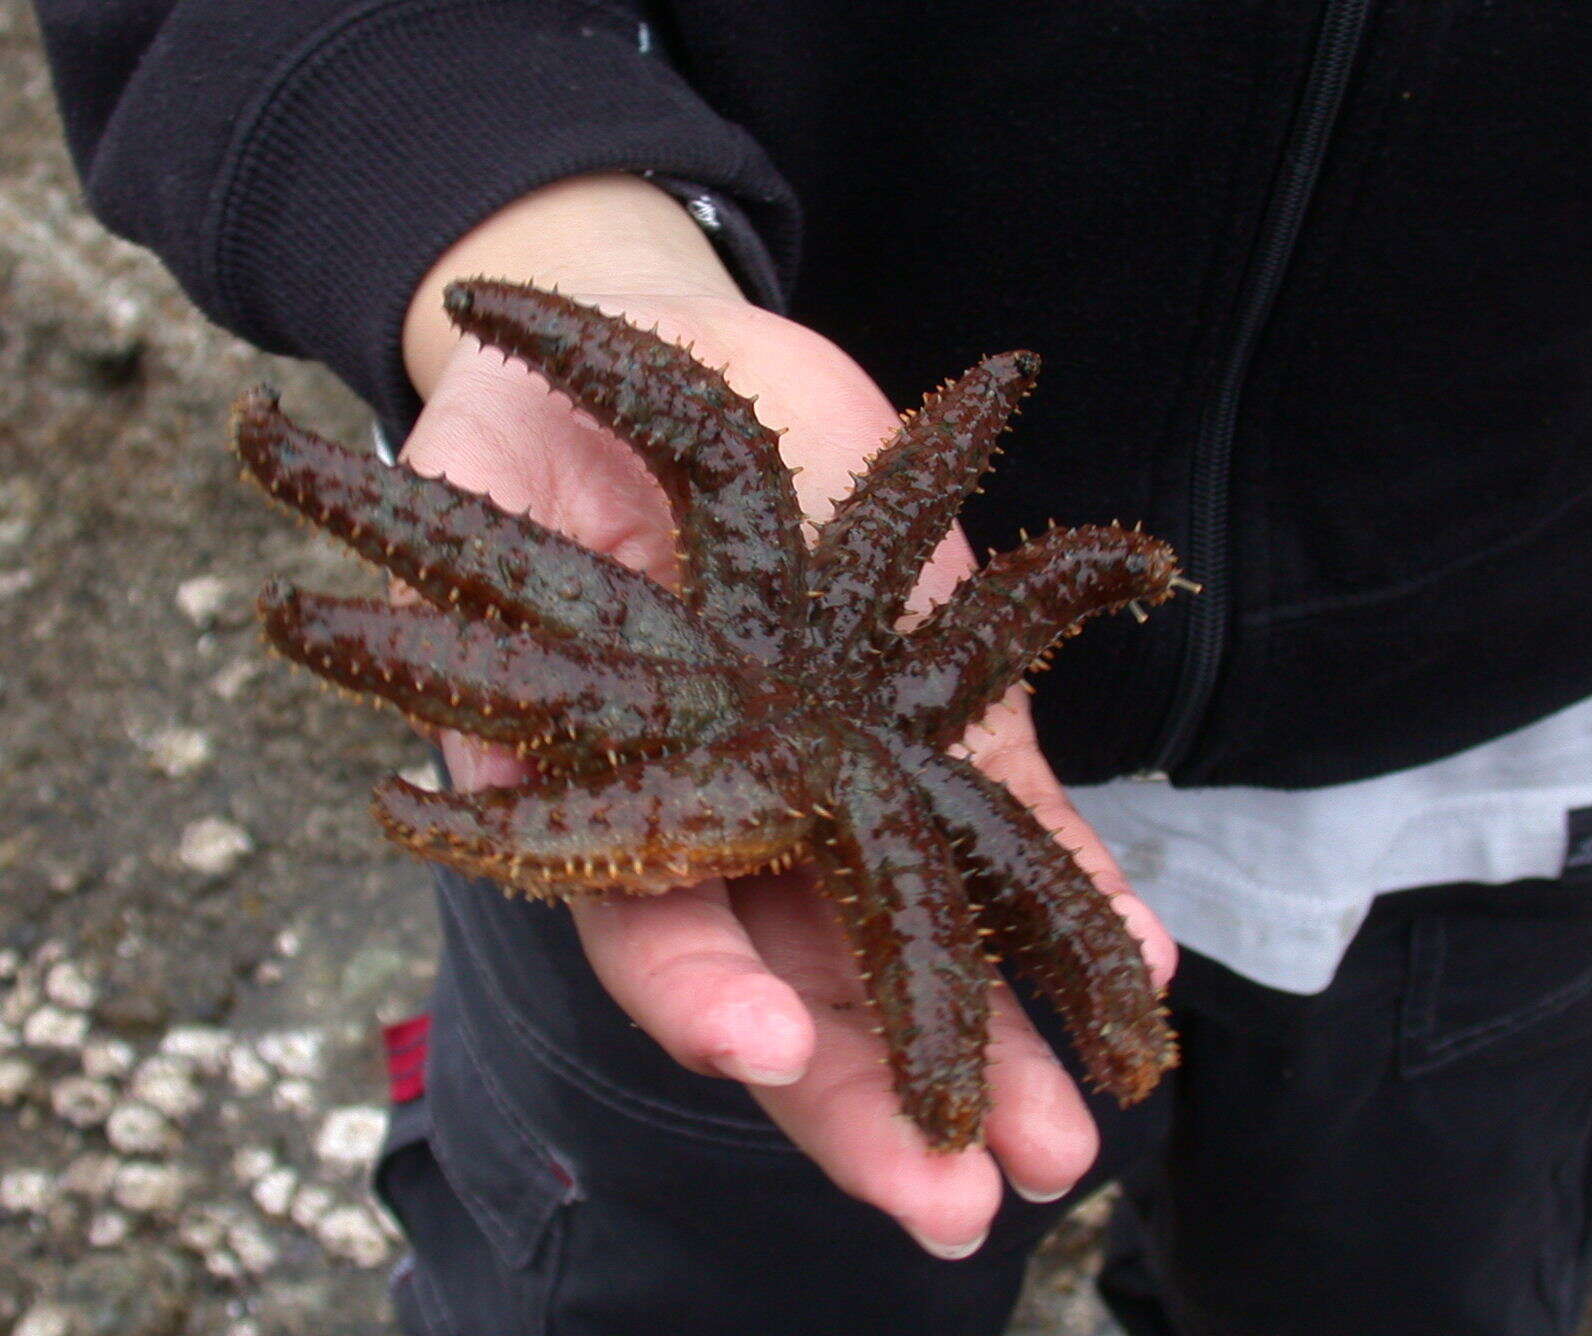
pixel 186 866
pixel 349 1138
pixel 25 1191
pixel 213 846
pixel 81 1101
pixel 167 1085
pixel 106 1229
pixel 51 1027
pixel 107 1058
pixel 353 1232
pixel 137 1129
pixel 273 1192
pixel 205 1046
pixel 44 1319
pixel 203 598
pixel 149 1187
pixel 16 1076
pixel 68 986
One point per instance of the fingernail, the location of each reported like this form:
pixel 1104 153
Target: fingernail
pixel 737 1069
pixel 948 1252
pixel 1037 1196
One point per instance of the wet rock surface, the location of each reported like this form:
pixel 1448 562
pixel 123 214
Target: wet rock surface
pixel 187 875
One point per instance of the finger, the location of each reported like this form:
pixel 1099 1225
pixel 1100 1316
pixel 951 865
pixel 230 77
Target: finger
pixel 1004 747
pixel 683 968
pixel 952 562
pixel 494 429
pixel 1039 1127
pixel 497 429
pixel 843 1112
pixel 473 764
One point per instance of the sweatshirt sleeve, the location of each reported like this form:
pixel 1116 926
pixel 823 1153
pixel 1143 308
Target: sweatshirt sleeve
pixel 300 166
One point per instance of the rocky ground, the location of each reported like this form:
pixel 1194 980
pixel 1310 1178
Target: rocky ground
pixel 200 933
pixel 199 937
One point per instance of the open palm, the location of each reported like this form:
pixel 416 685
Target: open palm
pixel 752 980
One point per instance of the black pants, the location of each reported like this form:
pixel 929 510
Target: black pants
pixel 1405 1153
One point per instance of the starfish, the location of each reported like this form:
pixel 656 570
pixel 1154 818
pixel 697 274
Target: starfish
pixel 772 710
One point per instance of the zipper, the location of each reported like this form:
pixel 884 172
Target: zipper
pixel 1205 642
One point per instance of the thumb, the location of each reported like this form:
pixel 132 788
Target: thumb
pixel 496 428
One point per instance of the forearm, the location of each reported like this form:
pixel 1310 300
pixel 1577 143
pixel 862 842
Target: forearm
pixel 300 167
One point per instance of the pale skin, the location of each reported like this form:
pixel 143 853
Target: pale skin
pixel 739 980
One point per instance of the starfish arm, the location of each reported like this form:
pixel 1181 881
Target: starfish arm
pixel 726 808
pixel 733 502
pixel 895 886
pixel 1003 620
pixel 459 550
pixel 870 551
pixel 1045 914
pixel 571 707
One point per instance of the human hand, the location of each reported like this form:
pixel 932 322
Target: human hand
pixel 752 980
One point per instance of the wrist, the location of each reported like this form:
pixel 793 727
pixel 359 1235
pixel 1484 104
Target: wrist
pixel 606 234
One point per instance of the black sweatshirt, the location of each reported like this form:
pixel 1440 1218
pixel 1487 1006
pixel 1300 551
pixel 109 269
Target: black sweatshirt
pixel 1310 277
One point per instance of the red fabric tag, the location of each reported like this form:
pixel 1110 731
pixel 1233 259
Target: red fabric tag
pixel 406 1043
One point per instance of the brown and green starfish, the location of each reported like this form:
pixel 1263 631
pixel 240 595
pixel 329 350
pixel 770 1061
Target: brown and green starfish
pixel 771 710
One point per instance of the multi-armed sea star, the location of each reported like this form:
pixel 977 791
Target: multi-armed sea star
pixel 770 711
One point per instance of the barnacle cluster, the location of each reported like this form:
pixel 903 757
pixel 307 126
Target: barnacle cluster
pixel 772 710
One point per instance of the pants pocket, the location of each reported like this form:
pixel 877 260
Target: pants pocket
pixel 457 1280
pixel 1499 978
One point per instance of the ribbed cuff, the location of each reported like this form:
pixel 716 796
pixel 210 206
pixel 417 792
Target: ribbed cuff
pixel 739 244
pixel 401 128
